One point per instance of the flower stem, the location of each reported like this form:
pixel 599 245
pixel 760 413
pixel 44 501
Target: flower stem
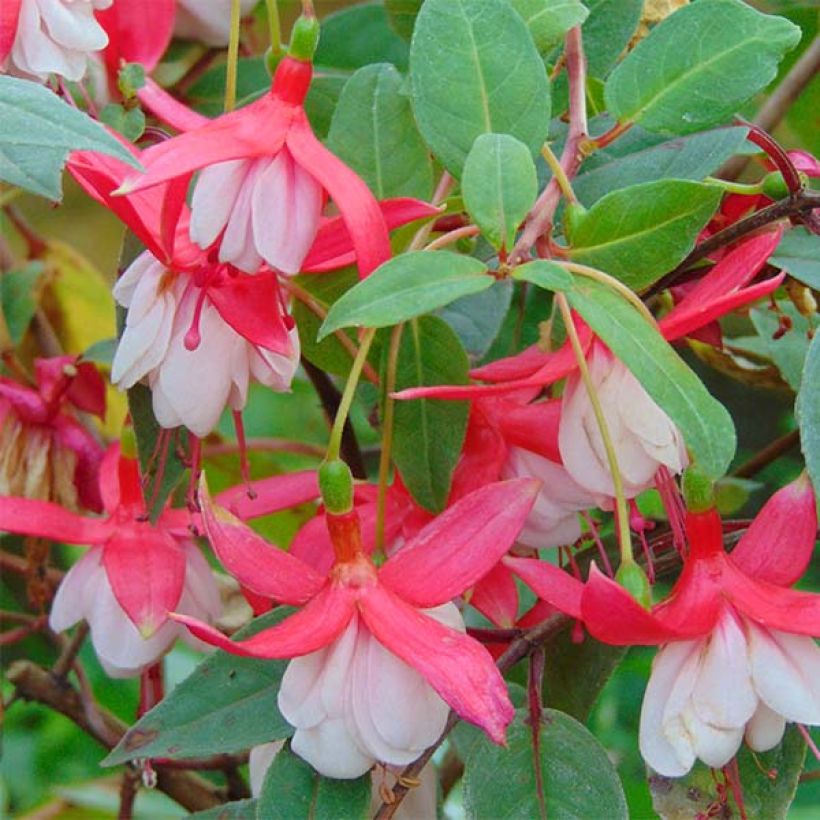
pixel 736 187
pixel 387 431
pixel 622 516
pixel 233 57
pixel 558 173
pixel 274 27
pixel 335 442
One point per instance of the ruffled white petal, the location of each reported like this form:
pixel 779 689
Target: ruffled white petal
pixel 259 762
pixel 214 199
pixel 765 730
pixel 68 606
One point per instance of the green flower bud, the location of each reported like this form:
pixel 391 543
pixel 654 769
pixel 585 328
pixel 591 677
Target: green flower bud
pixel 633 579
pixel 574 214
pixel 336 486
pixel 698 491
pixel 774 186
pixel 304 37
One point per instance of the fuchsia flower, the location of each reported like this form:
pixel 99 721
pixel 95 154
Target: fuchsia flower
pixel 374 646
pixel 264 181
pixel 42 37
pixel 45 453
pixel 134 573
pixel 736 654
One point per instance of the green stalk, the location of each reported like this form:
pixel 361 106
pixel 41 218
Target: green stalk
pixel 335 443
pixel 233 57
pixel 274 27
pixel 624 539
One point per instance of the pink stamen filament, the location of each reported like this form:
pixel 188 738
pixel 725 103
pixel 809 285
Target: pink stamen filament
pixel 193 337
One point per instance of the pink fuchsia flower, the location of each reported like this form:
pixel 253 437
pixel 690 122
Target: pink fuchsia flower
pixel 45 452
pixel 193 360
pixel 42 37
pixel 207 21
pixel 357 612
pixel 134 573
pixel 263 182
pixel 737 656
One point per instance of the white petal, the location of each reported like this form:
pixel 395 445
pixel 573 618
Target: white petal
pixel 201 590
pixel 656 749
pixel 287 204
pixel 146 264
pixel 786 673
pixel 330 749
pixel 214 198
pixel 68 605
pixel 765 730
pixel 73 24
pixel 259 762
pixel 714 746
pixel 723 695
pixel 274 370
pixel 237 244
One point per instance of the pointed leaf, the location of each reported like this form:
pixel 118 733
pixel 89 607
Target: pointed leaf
pixel 549 20
pixel 788 351
pixel 293 790
pixel 407 286
pixel 808 412
pixel 579 780
pixel 227 704
pixel 637 234
pixel 499 184
pixel 374 132
pixel 461 545
pixel 707 427
pixel 475 70
pixel 543 274
pixel 428 434
pixel 698 66
pixel 18 298
pixel 799 254
pixel 607 32
pixel 37 131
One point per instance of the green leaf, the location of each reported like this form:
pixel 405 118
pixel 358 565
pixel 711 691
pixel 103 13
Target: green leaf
pixel 401 14
pixel 294 791
pixel 18 299
pixel 706 426
pixel 428 433
pixel 543 274
pixel 607 32
pixel 698 66
pixel 227 704
pixel 321 102
pixel 637 234
pixel 499 185
pixel 475 70
pixel 799 253
pixel 406 286
pixel 128 122
pixel 764 798
pixel 788 351
pixel 374 132
pixel 693 157
pixel 37 131
pixel 477 319
pixel 237 810
pixel 549 20
pixel 808 412
pixel 101 352
pixel 579 779
pixel 357 36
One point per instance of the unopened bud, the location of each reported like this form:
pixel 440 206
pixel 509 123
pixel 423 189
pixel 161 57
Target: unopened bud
pixel 633 579
pixel 304 37
pixel 336 486
pixel 698 491
pixel 574 215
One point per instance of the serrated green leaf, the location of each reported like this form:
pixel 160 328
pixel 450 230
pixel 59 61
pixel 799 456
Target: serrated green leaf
pixel 705 424
pixel 499 185
pixel 787 351
pixel 18 300
pixel 637 234
pixel 698 66
pixel 693 157
pixel 227 704
pixel 543 274
pixel 374 132
pixel 428 433
pixel 357 36
pixel 799 253
pixel 406 286
pixel 549 20
pixel 475 70
pixel 808 412
pixel 294 791
pixel 37 131
pixel 578 777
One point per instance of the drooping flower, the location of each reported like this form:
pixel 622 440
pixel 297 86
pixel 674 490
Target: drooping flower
pixel 737 658
pixel 134 573
pixel 42 37
pixel 264 180
pixel 45 452
pixel 361 622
